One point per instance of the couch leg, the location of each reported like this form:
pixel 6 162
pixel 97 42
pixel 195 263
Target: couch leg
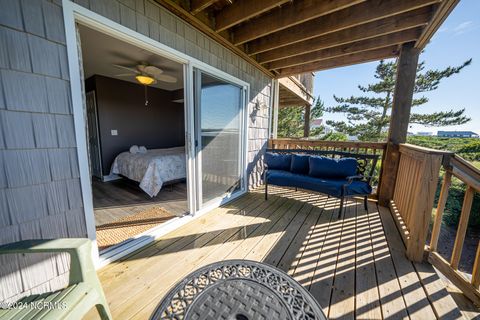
pixel 342 199
pixel 266 191
pixel 365 203
pixel 296 189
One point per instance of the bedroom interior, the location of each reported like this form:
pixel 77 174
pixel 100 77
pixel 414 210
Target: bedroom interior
pixel 136 137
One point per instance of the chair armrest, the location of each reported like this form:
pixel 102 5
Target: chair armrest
pixel 80 251
pixel 350 179
pixel 44 246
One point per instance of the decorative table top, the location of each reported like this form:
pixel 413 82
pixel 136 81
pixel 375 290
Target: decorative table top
pixel 238 290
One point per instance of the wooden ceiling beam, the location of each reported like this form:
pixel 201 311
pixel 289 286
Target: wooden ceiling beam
pixel 296 12
pixel 404 21
pixel 199 5
pixel 350 59
pixel 240 11
pixel 350 17
pixel 202 27
pixel 359 46
pixel 441 13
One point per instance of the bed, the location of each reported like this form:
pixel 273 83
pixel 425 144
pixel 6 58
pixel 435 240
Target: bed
pixel 153 168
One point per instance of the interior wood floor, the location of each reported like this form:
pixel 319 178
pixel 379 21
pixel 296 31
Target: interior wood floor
pixel 116 199
pixel 355 266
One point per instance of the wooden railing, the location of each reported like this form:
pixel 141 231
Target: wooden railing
pixel 456 166
pixel 414 194
pixel 413 200
pixel 359 147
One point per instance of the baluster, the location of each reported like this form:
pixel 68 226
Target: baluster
pixel 462 227
pixel 447 181
pixel 476 269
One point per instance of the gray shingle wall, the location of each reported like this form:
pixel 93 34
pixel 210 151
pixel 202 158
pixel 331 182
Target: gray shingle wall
pixel 39 179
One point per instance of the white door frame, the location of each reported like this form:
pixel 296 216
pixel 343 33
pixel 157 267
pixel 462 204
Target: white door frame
pixel 198 132
pixel 74 13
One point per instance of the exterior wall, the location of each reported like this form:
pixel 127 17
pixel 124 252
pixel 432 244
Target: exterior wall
pixel 40 195
pixel 39 180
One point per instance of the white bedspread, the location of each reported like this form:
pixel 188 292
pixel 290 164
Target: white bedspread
pixel 153 168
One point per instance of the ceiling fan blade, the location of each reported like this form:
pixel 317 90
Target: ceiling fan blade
pixel 154 71
pixel 166 78
pixel 125 75
pixel 132 69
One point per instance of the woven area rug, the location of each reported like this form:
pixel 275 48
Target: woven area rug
pixel 113 233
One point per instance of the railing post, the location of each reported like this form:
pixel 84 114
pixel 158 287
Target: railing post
pixel 400 117
pixel 421 214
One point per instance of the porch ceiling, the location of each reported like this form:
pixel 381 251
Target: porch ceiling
pixel 287 37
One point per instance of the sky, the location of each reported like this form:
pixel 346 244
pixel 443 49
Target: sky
pixel 457 40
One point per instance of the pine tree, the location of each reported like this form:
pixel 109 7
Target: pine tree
pixel 368 116
pixel 291 120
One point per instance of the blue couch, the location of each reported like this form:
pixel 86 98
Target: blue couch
pixel 339 177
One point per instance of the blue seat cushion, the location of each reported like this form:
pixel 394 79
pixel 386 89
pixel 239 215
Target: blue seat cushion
pixel 332 187
pixel 300 164
pixel 323 167
pixel 277 161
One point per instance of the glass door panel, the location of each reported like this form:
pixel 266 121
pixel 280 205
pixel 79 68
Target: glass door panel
pixel 219 132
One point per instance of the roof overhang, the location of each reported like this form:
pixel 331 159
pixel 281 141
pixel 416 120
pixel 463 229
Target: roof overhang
pixel 285 37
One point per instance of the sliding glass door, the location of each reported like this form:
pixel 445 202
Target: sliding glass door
pixel 219 137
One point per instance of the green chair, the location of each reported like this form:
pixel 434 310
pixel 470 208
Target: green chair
pixel 83 292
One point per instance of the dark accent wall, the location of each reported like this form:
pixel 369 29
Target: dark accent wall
pixel 121 107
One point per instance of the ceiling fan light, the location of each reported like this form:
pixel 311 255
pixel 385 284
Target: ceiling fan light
pixel 145 80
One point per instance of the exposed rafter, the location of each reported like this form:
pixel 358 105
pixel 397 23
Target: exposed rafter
pixel 243 10
pixel 342 61
pixel 343 19
pixel 288 37
pixel 440 15
pixel 195 22
pixel 199 5
pixel 286 16
pixel 359 46
pixel 370 30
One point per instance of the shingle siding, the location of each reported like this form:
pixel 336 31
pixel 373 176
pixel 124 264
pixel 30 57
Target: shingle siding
pixel 38 177
pixel 33 17
pixel 40 190
pixel 24 91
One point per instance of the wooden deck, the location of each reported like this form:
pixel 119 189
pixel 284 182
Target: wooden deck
pixel 355 267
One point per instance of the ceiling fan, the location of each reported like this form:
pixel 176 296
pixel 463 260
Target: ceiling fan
pixel 146 75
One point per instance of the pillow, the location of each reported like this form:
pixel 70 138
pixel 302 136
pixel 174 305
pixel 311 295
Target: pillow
pixel 299 164
pixel 323 167
pixel 277 161
pixel 134 149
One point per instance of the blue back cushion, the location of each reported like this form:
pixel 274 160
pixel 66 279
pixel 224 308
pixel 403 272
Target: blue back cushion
pixel 276 161
pixel 323 167
pixel 300 164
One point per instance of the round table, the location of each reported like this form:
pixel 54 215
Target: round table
pixel 238 290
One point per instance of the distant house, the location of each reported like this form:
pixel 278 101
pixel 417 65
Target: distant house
pixel 317 123
pixel 457 134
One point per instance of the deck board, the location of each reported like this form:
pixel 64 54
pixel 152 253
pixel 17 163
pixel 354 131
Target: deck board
pixel 355 267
